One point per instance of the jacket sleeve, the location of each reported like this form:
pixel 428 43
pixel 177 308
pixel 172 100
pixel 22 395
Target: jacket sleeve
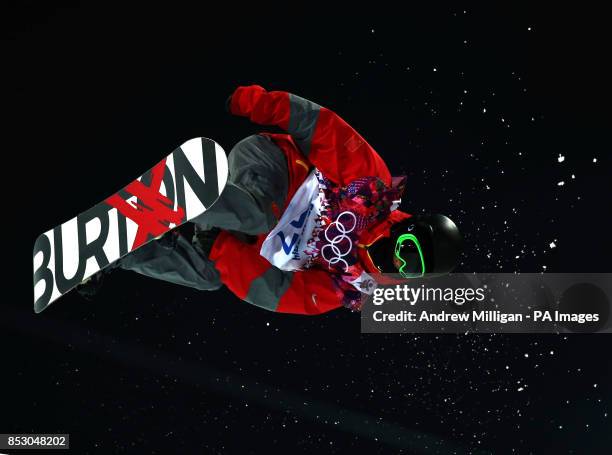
pixel 253 279
pixel 328 142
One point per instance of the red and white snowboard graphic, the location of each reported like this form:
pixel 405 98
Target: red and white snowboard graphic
pixel 179 188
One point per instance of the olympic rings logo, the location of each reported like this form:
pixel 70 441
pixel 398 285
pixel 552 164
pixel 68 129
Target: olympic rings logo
pixel 336 254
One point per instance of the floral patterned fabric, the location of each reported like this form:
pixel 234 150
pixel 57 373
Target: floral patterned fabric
pixel 346 213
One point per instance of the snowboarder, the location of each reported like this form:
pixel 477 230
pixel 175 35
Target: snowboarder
pixel 308 220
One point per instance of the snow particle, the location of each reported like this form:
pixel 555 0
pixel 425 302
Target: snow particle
pixel 552 245
pixel 561 183
pixel 484 111
pixel 560 158
pixel 594 160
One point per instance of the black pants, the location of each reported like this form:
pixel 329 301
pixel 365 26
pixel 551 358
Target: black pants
pixel 258 176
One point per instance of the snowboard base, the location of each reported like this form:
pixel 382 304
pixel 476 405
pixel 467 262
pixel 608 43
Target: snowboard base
pixel 179 188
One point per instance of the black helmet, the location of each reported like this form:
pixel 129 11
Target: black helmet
pixel 418 245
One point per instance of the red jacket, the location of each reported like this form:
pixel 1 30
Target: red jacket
pixel 317 137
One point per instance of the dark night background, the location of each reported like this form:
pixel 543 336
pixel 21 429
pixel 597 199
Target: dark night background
pixel 477 105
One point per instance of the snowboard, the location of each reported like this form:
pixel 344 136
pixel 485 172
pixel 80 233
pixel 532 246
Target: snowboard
pixel 182 186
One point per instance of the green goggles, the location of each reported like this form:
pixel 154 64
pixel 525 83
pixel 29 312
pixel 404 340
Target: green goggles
pixel 409 253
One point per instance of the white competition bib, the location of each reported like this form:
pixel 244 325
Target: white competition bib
pixel 286 245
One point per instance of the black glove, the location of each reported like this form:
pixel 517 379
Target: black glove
pixel 227 104
pixel 204 240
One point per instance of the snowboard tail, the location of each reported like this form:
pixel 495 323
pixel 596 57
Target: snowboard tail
pixel 176 190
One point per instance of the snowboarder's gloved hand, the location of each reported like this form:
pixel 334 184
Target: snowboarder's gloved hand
pixel 204 240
